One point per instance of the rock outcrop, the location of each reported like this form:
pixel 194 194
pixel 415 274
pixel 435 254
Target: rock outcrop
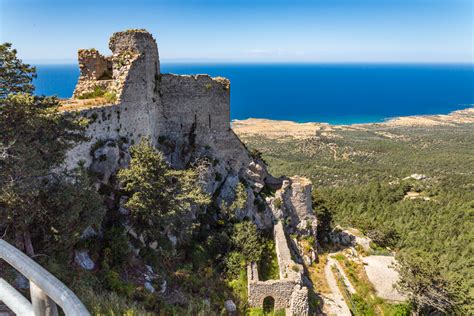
pixel 293 205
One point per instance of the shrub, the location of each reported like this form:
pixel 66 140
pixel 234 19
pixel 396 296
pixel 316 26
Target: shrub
pixel 110 96
pixel 247 239
pixel 277 202
pixel 97 92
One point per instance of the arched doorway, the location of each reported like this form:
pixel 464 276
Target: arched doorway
pixel 268 304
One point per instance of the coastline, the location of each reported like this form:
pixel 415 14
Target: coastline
pixel 283 128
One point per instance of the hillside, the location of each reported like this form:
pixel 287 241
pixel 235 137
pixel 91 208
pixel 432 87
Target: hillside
pixel 409 181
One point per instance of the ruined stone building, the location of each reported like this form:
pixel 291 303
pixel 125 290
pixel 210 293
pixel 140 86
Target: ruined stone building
pixel 187 117
pixel 288 292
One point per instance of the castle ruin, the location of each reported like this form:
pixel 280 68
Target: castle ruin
pixel 126 98
pixel 288 292
pixel 186 110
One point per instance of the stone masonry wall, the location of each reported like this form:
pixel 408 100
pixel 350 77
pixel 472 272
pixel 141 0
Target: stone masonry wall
pixel 288 292
pixel 198 101
pixel 154 105
pixel 93 65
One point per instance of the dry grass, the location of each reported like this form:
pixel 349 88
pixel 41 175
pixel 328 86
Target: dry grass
pixel 316 274
pixel 76 104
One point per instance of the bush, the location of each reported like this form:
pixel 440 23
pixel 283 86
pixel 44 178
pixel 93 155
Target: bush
pixel 277 202
pixel 248 240
pixel 97 92
pixel 360 307
pixel 235 263
pixel 110 97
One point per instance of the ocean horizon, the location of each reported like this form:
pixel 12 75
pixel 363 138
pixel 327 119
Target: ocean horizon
pixel 343 93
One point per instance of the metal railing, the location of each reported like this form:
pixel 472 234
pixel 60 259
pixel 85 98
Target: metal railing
pixel 45 289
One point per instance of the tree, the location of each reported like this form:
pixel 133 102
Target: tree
pixel 247 240
pixel 70 204
pixel 426 287
pixel 160 198
pixel 34 139
pixel 15 76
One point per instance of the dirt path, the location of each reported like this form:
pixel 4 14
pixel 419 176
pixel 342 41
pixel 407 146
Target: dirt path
pixel 334 303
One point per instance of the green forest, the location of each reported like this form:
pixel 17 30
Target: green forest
pixel 362 179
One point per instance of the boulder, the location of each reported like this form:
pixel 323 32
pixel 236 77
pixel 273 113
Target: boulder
pixel 149 287
pixel 82 258
pixel 230 307
pixel 106 160
pixel 349 238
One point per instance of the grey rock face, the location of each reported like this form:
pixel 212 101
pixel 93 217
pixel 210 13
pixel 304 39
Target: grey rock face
pixel 346 237
pixel 230 307
pixel 106 160
pixel 82 258
pixel 293 204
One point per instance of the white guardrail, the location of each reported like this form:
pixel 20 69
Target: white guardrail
pixel 45 289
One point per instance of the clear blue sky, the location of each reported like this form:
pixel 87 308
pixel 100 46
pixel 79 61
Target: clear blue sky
pixel 249 30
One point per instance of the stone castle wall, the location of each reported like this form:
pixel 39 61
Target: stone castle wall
pixel 288 291
pixel 199 102
pixel 186 110
pixel 186 117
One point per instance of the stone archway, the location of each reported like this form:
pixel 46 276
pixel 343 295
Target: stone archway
pixel 268 304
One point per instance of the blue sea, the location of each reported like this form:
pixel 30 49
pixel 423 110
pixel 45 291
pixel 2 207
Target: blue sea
pixel 332 93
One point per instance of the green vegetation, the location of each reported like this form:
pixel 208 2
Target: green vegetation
pixel 98 92
pixel 15 76
pixel 34 140
pixel 248 246
pixel 159 196
pixel 261 312
pixel 110 96
pixel 268 268
pixel 359 180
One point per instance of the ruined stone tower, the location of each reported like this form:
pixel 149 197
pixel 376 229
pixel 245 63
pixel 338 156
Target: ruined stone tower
pixel 142 102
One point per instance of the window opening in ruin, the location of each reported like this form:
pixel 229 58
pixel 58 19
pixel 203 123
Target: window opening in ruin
pixel 268 304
